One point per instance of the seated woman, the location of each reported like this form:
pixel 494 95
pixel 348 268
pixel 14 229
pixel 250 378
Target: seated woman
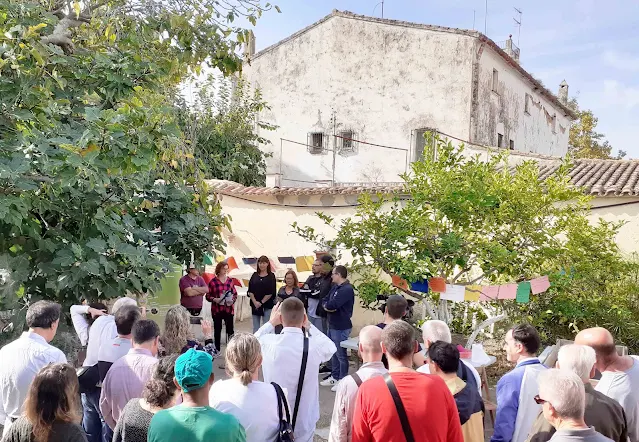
pixel 52 408
pixel 178 337
pixel 252 402
pixel 159 393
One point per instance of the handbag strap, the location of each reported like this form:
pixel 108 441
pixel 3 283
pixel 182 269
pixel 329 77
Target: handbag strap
pixel 300 382
pixel 281 400
pixel 357 379
pixel 408 433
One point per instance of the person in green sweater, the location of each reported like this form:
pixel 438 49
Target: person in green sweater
pixel 194 420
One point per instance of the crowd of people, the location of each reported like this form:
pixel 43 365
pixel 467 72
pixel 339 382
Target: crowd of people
pixel 140 383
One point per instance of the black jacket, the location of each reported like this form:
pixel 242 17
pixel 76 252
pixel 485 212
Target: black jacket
pixel 324 283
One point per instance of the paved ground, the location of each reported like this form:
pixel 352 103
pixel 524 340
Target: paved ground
pixel 327 397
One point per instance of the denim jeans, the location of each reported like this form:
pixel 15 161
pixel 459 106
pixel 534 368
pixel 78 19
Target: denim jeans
pixel 258 321
pixel 94 426
pixel 318 323
pixel 339 361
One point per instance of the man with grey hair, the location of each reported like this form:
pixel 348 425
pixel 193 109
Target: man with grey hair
pixel 563 399
pixel 370 350
pixel 433 331
pixel 601 412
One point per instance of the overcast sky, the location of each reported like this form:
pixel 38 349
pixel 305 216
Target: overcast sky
pixel 593 45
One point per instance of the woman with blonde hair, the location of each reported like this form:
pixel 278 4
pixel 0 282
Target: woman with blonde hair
pixel 178 336
pixel 254 403
pixel 52 411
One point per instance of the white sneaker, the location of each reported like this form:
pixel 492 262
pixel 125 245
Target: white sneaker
pixel 328 382
pixel 334 388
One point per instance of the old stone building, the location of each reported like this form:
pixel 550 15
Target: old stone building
pixel 352 96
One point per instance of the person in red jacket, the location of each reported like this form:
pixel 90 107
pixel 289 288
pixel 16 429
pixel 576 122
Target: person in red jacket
pixel 430 408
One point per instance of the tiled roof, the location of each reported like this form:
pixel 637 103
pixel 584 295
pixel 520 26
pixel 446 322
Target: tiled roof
pixel 476 34
pixel 596 177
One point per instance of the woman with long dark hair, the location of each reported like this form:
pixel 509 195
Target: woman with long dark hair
pixel 52 411
pixel 262 290
pixel 222 296
pixel 159 393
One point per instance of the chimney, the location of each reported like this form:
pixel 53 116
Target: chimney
pixel 249 46
pixel 563 92
pixel 511 49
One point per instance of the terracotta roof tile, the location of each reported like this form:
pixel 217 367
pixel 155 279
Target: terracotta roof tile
pixel 596 177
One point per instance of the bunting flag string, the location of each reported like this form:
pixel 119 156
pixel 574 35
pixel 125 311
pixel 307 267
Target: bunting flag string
pixel 519 292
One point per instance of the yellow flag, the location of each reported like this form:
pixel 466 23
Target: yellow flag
pixel 472 293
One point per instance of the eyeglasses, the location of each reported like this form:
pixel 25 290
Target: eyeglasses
pixel 539 400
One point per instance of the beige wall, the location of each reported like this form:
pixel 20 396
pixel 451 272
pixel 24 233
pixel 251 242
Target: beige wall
pixel 624 209
pixel 263 226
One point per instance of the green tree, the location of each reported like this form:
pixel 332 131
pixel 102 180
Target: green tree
pixel 584 141
pixel 471 222
pixel 86 130
pixel 222 129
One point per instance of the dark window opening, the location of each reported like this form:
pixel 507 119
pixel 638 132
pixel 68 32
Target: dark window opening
pixel 495 80
pixel 527 104
pixel 420 144
pixel 316 142
pixel 500 140
pixel 512 144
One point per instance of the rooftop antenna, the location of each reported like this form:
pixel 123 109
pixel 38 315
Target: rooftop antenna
pixel 518 24
pixel 486 19
pixel 380 3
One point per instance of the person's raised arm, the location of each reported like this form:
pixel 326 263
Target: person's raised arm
pixel 80 323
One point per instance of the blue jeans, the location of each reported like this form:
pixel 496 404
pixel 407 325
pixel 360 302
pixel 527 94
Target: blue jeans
pixel 258 321
pixel 94 426
pixel 318 323
pixel 339 361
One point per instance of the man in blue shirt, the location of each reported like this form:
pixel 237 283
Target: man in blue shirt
pixel 516 390
pixel 339 306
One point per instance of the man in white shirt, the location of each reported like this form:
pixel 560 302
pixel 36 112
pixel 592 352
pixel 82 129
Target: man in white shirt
pixel 370 350
pixel 619 374
pixel 102 332
pixel 433 331
pixel 283 359
pixel 23 358
pixel 119 346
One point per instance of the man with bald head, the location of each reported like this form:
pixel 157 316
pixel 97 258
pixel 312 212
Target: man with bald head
pixel 619 374
pixel 370 350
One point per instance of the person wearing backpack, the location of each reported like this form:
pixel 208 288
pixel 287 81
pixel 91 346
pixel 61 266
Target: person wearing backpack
pixel 370 350
pixel 292 360
pixel 404 405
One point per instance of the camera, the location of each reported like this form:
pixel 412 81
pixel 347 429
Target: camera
pixel 381 305
pixel 195 320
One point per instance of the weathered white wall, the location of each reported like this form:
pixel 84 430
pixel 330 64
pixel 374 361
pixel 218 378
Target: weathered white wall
pixel 504 111
pixel 382 81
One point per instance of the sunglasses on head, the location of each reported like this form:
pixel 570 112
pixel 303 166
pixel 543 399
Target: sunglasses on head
pixel 539 400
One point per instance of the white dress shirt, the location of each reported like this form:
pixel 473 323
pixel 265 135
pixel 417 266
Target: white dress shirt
pixel 254 405
pixel 282 360
pixel 80 323
pixel 21 360
pixel 342 420
pixel 424 369
pixel 103 331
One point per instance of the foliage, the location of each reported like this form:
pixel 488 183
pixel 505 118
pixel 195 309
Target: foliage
pixel 86 129
pixel 222 129
pixel 584 141
pixel 471 221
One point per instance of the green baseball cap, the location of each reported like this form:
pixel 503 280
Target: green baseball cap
pixel 193 369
